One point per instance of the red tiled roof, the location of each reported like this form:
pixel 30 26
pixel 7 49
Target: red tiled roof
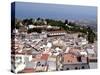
pixel 44 56
pixel 70 58
pixel 28 70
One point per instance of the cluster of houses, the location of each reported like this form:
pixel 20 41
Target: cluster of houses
pixel 51 50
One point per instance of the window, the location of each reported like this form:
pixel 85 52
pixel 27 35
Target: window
pixel 67 68
pixel 76 68
pixel 68 60
pixel 42 65
pixel 38 64
pixel 83 67
pixel 79 59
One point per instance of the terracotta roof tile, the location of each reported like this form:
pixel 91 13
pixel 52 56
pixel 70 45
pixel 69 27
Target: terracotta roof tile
pixel 44 56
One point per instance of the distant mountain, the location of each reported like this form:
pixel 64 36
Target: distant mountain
pixel 91 23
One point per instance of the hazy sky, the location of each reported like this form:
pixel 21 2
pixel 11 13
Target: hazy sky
pixel 54 11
